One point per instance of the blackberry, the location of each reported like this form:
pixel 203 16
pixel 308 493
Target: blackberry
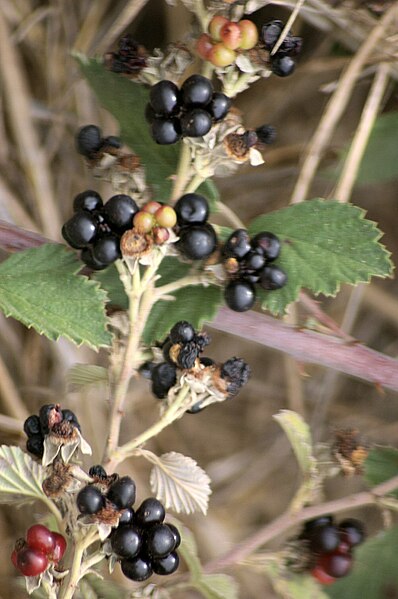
pixel 90 500
pixel 166 131
pixel 196 408
pixel 88 140
pixel 267 244
pixel 159 541
pixel 97 471
pixel 119 212
pixel 151 511
pixel 70 416
pixel 324 539
pixel 122 492
pixel 49 415
pixel 283 66
pixel 164 98
pixel 219 106
pixel 252 261
pixel 177 536
pixel 87 200
pixel 196 91
pixel 80 230
pixel 335 564
pixel 352 531
pixel 236 372
pixel 192 208
pixel 87 257
pixel 271 32
pixel 166 565
pixel 166 351
pixel 106 249
pixel 146 370
pixel 31 426
pixel 35 445
pixel 137 569
pixel 272 277
pixel 237 245
pixel 111 142
pixel 319 522
pixel 197 241
pixel 182 332
pixel 240 295
pixel 163 378
pixel 195 123
pixel 127 517
pixel 187 354
pixel 126 541
pixel 266 134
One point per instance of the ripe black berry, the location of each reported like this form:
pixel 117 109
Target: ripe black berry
pixel 176 533
pixel 324 539
pixel 352 531
pixel 237 245
pixel 252 261
pixel 182 332
pixel 70 416
pixel 35 445
pixel 219 106
pixel 87 200
pixel 283 66
pixel 119 212
pixel 272 277
pixel 192 208
pixel 136 569
pixel 31 426
pixel 236 372
pixel 196 91
pixel 126 541
pixel 197 241
pixel 187 354
pixel 122 492
pixel 88 140
pixel 80 230
pixel 163 378
pixel 270 33
pixel 166 565
pixel 49 415
pixel 151 511
pixel 310 525
pixel 195 123
pixel 87 257
pixel 111 142
pixel 146 370
pixel 127 516
pixel 164 98
pixel 90 500
pixel 159 541
pixel 166 131
pixel 267 244
pixel 240 295
pixel 106 249
pixel 97 471
pixel 266 134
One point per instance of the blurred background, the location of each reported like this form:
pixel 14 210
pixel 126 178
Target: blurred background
pixel 43 101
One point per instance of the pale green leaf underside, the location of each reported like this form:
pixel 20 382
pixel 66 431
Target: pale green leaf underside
pixel 218 586
pixel 380 465
pixel 324 244
pixel 82 375
pixel 299 435
pixel 294 586
pixel 20 477
pixel 40 288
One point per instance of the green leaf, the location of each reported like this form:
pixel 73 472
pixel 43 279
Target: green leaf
pixel 210 191
pixel 374 574
pixel 195 303
pixel 20 477
pixel 294 586
pixel 324 244
pixel 299 435
pixel 81 375
pixel 40 288
pixel 110 281
pixel 218 586
pixel 380 465
pixel 126 101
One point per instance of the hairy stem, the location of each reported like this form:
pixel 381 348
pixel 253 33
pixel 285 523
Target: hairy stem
pixel 183 173
pixel 71 581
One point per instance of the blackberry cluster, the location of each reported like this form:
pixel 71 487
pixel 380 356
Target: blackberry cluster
pixel 249 262
pixel 197 238
pixel 331 546
pixel 129 59
pixel 96 228
pixel 142 542
pixel 50 418
pixel 282 63
pixel 90 143
pixel 41 548
pixel 187 112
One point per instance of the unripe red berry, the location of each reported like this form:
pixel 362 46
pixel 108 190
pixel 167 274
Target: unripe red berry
pixel 143 221
pixel 231 35
pixel 203 46
pixel 41 538
pixel 215 26
pixel 220 56
pixel 59 547
pixel 31 562
pixel 160 235
pixel 321 576
pixel 249 34
pixel 166 216
pixel 14 556
pixel 151 207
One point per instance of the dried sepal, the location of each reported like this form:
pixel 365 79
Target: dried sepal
pixel 64 438
pixel 64 478
pixel 349 451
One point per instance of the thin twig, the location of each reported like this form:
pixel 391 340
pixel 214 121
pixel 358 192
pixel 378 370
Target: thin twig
pixel 9 394
pixel 124 18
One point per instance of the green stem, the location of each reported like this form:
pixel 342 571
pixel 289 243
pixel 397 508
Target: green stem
pixel 183 173
pixel 164 290
pixel 73 578
pixel 194 183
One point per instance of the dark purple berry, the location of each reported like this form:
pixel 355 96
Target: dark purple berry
pixel 32 426
pixel 87 200
pixel 192 208
pixel 166 565
pixel 283 66
pixel 111 142
pixel 319 522
pixel 335 564
pixel 87 257
pixel 49 415
pixel 164 98
pixel 196 408
pixel 97 471
pixel 196 91
pixel 195 123
pixel 146 370
pixel 106 249
pixel 163 378
pixel 266 134
pixel 151 511
pixel 324 539
pixel 270 33
pixel 90 500
pixel 267 244
pixel 252 261
pixel 127 517
pixel 88 140
pixel 197 241
pixel 237 245
pixel 80 230
pixel 122 492
pixel 119 212
pixel 352 531
pixel 272 277
pixel 126 541
pixel 71 417
pixel 159 541
pixel 35 445
pixel 240 295
pixel 177 536
pixel 182 332
pixel 236 372
pixel 136 569
pixel 219 106
pixel 166 131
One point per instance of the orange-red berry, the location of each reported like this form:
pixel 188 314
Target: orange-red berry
pixel 231 35
pixel 249 34
pixel 203 46
pixel 221 56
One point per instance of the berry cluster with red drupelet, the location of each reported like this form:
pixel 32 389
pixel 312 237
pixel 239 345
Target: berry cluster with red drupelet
pixel 41 548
